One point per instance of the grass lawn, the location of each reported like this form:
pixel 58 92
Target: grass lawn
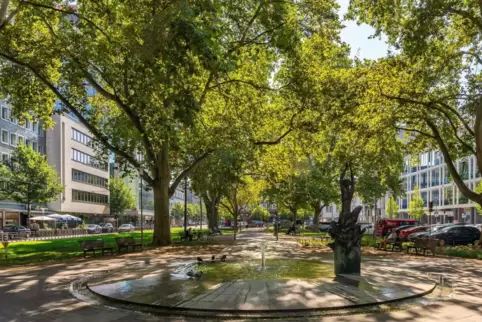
pixel 304 232
pixel 46 250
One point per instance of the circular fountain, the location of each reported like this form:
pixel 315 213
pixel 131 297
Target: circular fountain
pixel 259 287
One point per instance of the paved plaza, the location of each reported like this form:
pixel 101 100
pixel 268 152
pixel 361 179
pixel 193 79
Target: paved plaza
pixel 43 292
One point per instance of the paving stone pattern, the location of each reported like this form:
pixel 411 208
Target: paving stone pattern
pixel 41 292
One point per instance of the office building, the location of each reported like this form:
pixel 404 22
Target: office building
pixel 85 177
pixel 12 133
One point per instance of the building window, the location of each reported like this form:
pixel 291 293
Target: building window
pixel 28 142
pixel 88 160
pixel 435 198
pixel 5 113
pixel 4 157
pixel 464 169
pixel 21 139
pixel 414 182
pixel 13 139
pixel 5 136
pixel 424 198
pixel 447 177
pixel 35 127
pixel 88 178
pixel 462 199
pixel 89 197
pixel 423 180
pixel 81 137
pixel 435 178
pixel 35 146
pixel 448 196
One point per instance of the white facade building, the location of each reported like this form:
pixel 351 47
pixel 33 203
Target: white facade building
pixel 85 178
pixel 431 176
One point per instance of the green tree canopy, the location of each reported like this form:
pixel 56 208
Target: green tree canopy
pixel 415 206
pixel 431 88
pixel 27 178
pixel 392 207
pixel 121 196
pixel 177 211
pixel 170 82
pixel 260 213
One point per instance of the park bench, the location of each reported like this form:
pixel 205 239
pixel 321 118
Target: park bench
pixel 93 245
pixel 126 242
pixel 183 236
pixel 421 245
pixel 397 245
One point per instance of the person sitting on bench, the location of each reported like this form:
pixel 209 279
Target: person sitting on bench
pixel 391 239
pixel 189 234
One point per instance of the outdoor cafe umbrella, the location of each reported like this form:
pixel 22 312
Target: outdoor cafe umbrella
pixel 56 217
pixel 42 218
pixel 72 218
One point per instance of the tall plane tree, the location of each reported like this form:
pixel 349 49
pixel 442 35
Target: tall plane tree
pixel 159 83
pixel 431 88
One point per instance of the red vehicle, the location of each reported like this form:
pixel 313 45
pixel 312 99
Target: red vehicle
pixel 407 232
pixel 384 226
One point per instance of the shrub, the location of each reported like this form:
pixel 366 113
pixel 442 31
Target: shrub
pixel 464 251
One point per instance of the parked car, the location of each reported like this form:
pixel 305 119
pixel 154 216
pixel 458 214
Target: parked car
pixel 385 226
pixel 433 229
pixel 405 233
pixel 107 227
pixel 94 229
pixel 399 229
pixel 325 227
pixel 126 228
pixel 458 235
pixel 17 231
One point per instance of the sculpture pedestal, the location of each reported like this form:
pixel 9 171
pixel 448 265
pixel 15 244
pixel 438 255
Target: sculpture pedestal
pixel 347 261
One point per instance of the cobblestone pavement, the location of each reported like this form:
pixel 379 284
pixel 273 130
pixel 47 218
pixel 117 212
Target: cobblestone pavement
pixel 42 292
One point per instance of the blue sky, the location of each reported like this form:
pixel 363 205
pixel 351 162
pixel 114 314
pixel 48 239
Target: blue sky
pixel 357 37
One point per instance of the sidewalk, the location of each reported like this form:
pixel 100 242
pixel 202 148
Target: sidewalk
pixel 41 293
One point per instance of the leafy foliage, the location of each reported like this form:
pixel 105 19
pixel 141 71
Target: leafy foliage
pixel 260 213
pixel 415 207
pixel 392 207
pixel 177 211
pixel 27 178
pixel 162 85
pixel 121 196
pixel 430 89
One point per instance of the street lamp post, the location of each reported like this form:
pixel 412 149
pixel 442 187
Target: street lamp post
pixel 141 173
pixel 201 210
pixel 185 206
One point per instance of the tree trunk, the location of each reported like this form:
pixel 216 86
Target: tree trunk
pixel 209 213
pixel 162 233
pixel 162 227
pixel 235 228
pixel 316 216
pixel 346 233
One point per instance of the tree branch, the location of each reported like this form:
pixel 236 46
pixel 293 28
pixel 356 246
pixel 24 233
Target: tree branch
pixel 186 171
pixel 3 11
pixel 103 139
pixel 415 130
pixel 471 53
pixel 451 167
pixel 260 87
pixel 468 16
pixel 72 12
pixel 278 140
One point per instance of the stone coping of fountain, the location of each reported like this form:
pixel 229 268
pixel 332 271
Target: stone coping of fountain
pixel 261 297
